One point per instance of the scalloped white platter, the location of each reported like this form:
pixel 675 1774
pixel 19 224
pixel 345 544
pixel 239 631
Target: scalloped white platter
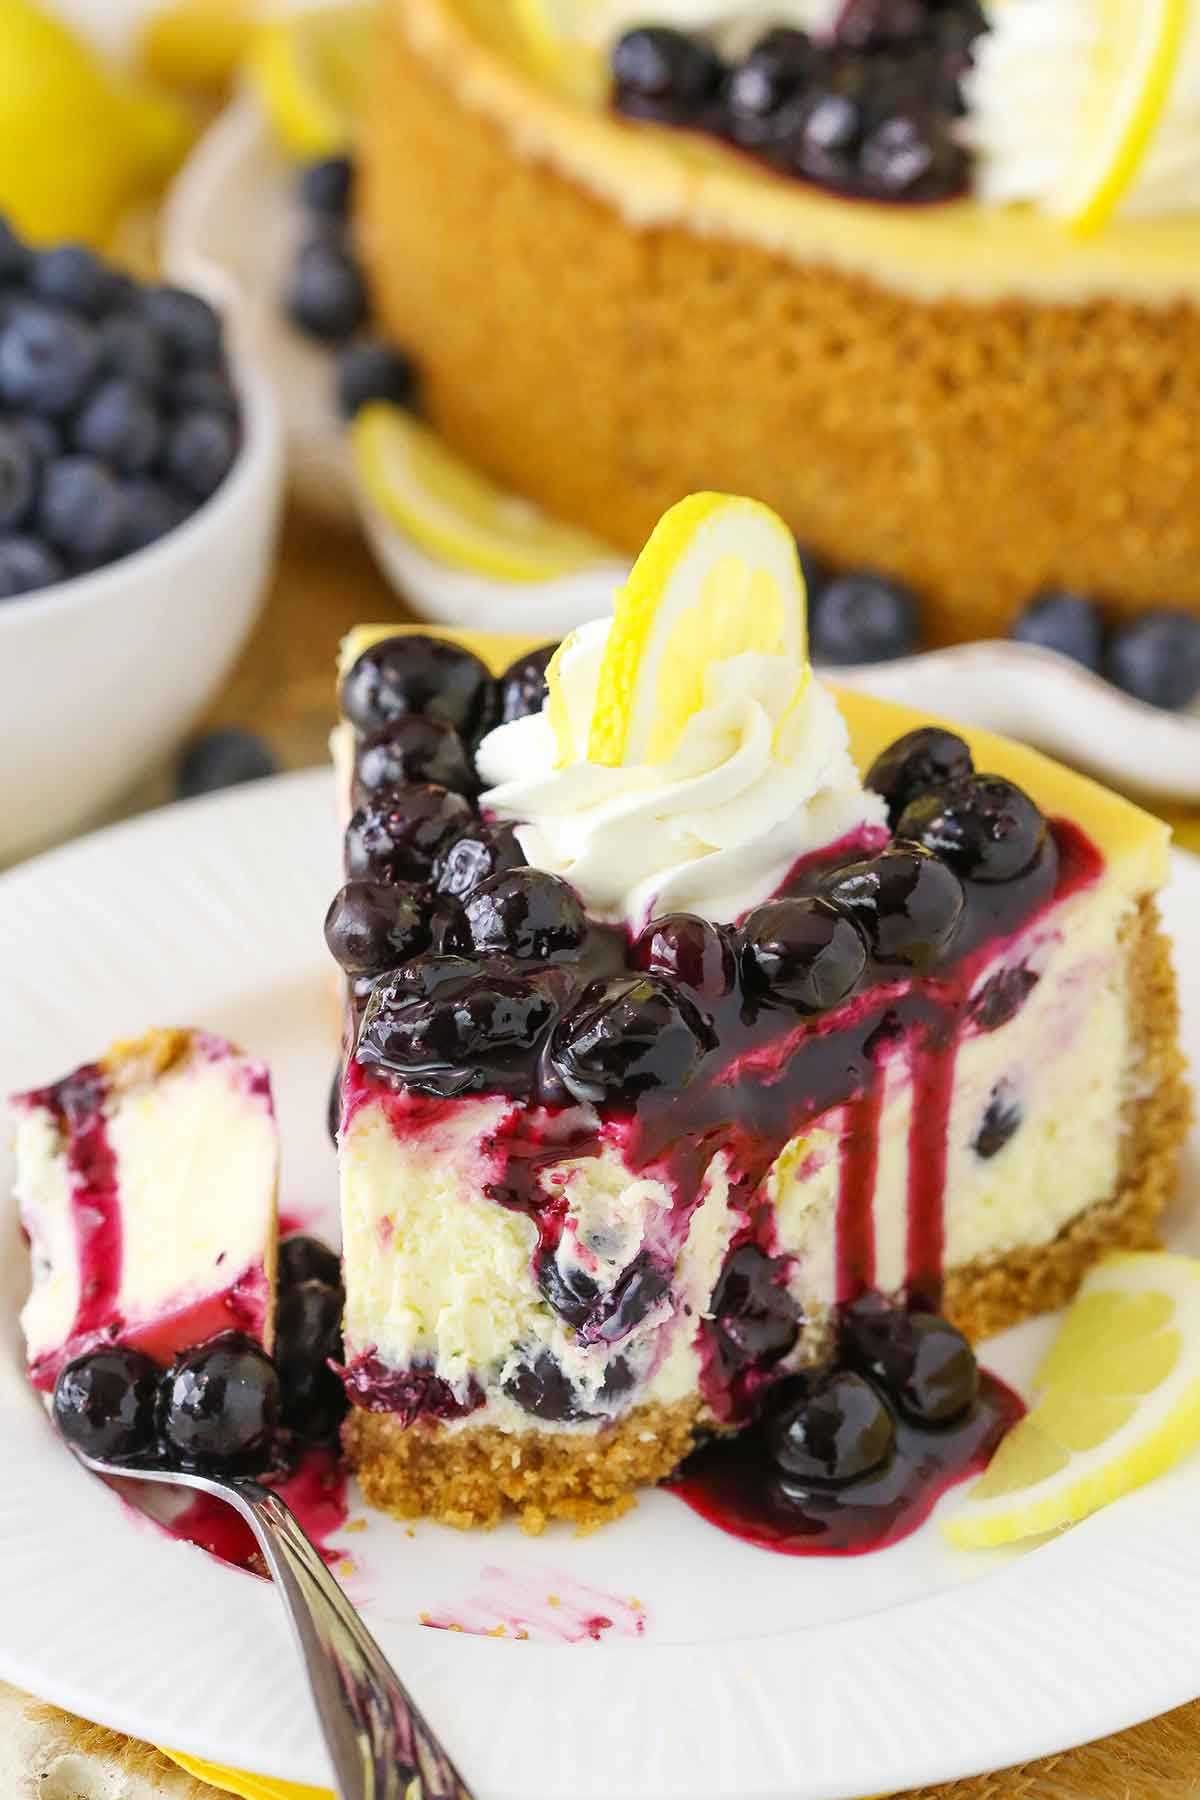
pixel 727 1673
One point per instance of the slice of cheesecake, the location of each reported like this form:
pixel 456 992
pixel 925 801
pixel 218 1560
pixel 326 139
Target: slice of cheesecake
pixel 663 1051
pixel 146 1184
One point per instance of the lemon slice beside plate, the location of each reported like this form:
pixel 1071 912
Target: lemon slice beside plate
pixel 310 71
pixel 1138 49
pixel 719 578
pixel 1119 1403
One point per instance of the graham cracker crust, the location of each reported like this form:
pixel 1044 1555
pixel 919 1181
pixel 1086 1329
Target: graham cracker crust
pixel 604 370
pixel 471 1476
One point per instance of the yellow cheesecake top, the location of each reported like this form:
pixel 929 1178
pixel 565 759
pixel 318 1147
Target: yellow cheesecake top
pixel 656 176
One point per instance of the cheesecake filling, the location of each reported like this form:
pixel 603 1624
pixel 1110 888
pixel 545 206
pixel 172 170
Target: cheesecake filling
pixel 146 1184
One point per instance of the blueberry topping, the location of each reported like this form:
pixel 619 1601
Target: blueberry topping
pixel 484 851
pixel 326 295
pixel 73 276
pixel 923 759
pixel 527 914
pixel 18 477
pixel 417 674
pixel 152 509
pixel 542 1388
pixel 1069 623
pixel 304 1258
pixel 26 565
pixel 879 24
pixel 986 828
pixel 655 68
pixel 221 1405
pixel 222 759
pixel 308 1328
pixel 863 618
pixel 838 1432
pixel 105 1404
pixel 129 347
pixel 805 952
pixel 120 424
pixel 327 186
pixel 416 748
pixel 688 949
pixel 926 1366
pixel 758 88
pixel 400 835
pixel 372 926
pixel 522 687
pixel 755 1319
pixel 1002 997
pixel 458 1027
pixel 1157 658
pixel 906 902
pixel 569 1292
pixel 82 510
pixel 639 1289
pixel 47 360
pixel 628 1037
pixel 187 325
pixel 1001 1122
pixel 200 451
pixel 371 371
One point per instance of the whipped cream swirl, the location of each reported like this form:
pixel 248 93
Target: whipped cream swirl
pixel 754 784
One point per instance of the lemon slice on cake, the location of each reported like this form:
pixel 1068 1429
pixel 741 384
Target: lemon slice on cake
pixel 1134 63
pixel 310 71
pixel 1119 1403
pixel 557 37
pixel 719 578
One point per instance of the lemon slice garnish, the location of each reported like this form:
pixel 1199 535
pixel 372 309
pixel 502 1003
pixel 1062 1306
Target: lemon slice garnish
pixel 452 511
pixel 1119 1403
pixel 1137 55
pixel 718 578
pixel 555 37
pixel 310 71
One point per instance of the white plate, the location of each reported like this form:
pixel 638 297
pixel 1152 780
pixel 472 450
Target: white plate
pixel 755 1676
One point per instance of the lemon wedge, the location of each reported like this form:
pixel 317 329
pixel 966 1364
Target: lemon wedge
pixel 452 511
pixel 196 43
pixel 310 71
pixel 719 577
pixel 1119 1403
pixel 1137 54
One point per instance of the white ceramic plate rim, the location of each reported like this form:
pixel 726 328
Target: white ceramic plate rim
pixel 1071 1640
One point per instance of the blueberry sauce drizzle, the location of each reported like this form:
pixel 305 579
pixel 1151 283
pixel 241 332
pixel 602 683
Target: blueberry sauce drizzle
pixel 315 1488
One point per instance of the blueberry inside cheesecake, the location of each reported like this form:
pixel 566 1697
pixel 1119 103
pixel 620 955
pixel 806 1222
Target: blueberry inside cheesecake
pixel 688 1002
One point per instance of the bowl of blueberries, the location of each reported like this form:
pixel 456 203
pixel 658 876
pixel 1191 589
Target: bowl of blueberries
pixel 141 470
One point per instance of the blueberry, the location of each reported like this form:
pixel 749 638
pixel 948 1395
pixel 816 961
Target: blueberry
pixel 188 326
pixel 26 565
pixel 203 390
pixel 1000 1123
pixel 903 152
pixel 688 949
pixel 104 1404
pixel 372 926
pixel 569 1292
pixel 542 1388
pixel 308 1337
pixel 414 748
pixel 1157 658
pixel 777 66
pixel 837 1433
pixel 372 371
pixel 18 476
pixel 802 951
pixel 43 437
pixel 522 687
pixel 663 66
pixel 755 1319
pixel 119 424
pixel 418 674
pixel 907 904
pixel 128 346
pixel 73 276
pixel 815 571
pixel 400 835
pixel 221 1406
pixel 638 1290
pixel 82 510
pixel 200 451
pixel 15 259
pixel 628 1037
pixel 152 510
pixel 304 1258
pixel 47 360
pixel 1069 623
pixel 926 758
pixel 483 851
pixel 222 759
pixel 863 618
pixel 326 296
pixel 458 1028
pixel 527 914
pixel 922 1361
pixel 1002 997
pixel 878 24
pixel 327 186
pixel 986 828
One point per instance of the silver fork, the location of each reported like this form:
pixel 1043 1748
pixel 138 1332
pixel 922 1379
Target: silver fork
pixel 379 1743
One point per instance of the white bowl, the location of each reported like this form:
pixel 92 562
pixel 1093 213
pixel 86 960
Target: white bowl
pixel 102 675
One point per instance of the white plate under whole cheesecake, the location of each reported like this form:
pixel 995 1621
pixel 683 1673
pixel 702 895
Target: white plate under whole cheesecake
pixel 725 1670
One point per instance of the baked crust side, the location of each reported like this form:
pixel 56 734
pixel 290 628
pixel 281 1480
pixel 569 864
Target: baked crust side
pixel 606 370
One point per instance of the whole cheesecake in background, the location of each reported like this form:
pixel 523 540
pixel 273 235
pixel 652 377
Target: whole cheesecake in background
pixel 845 287
pixel 681 1036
